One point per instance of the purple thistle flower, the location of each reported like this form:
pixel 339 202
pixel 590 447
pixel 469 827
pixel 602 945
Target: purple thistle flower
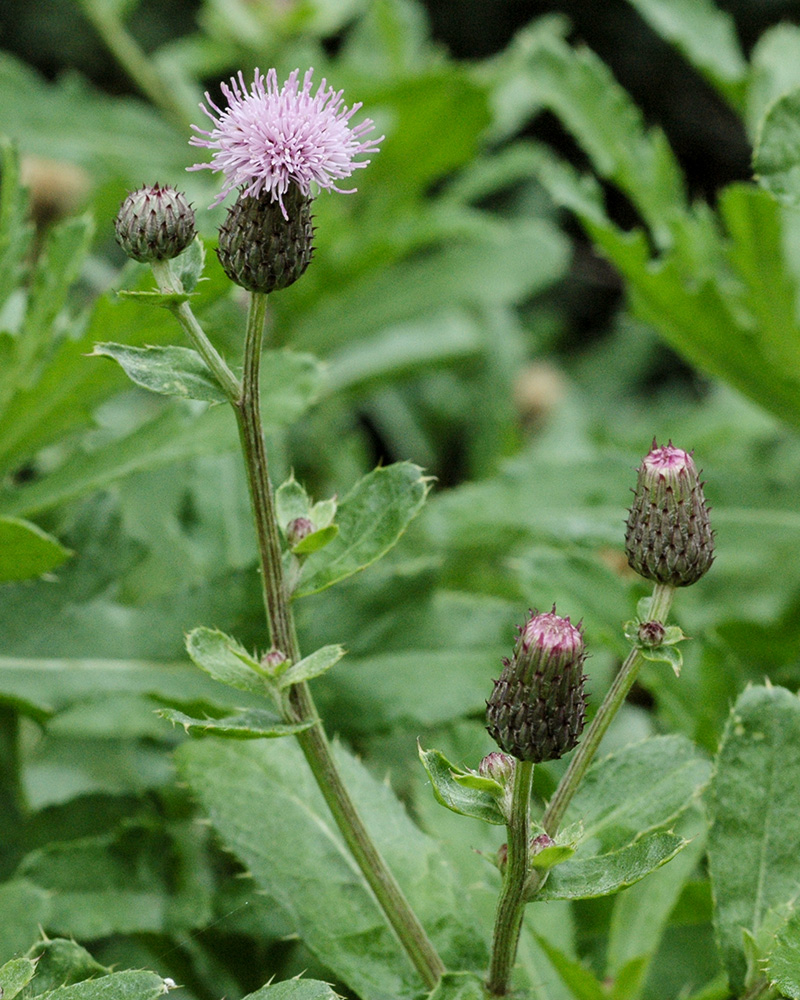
pixel 269 138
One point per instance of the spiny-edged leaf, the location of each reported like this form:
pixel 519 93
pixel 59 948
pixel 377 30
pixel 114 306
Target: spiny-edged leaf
pixel 168 300
pixel 25 908
pixel 578 86
pixel 60 962
pixel 171 436
pixel 314 665
pixel 754 840
pixel 266 808
pixel 27 551
pixel 371 519
pixel 706 35
pixel 776 160
pixel 294 989
pixel 251 724
pixel 602 875
pixel 224 659
pixel 15 975
pixel 170 371
pixel 783 962
pixel 128 985
pixel 459 986
pixel 479 803
pixel 641 787
pixel 16 229
pixel 581 982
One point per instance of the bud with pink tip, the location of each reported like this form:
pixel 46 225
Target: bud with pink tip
pixel 669 539
pixel 155 223
pixel 538 707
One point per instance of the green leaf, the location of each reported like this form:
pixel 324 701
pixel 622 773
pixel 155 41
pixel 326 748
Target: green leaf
pixel 224 659
pixel 664 654
pixel 170 371
pixel 294 989
pixel 316 540
pixel 478 803
pixel 640 788
pixel 551 856
pixel 754 840
pixel 707 37
pixel 188 266
pixel 578 86
pixel 265 805
pixel 783 962
pixel 15 975
pixel 25 908
pixel 16 229
pixel 290 383
pixel 291 502
pixel 251 724
pixel 459 986
pixel 60 963
pixel 314 665
pixel 774 71
pixel 371 519
pixel 776 159
pixel 128 985
pixel 581 982
pixel 27 551
pixel 608 873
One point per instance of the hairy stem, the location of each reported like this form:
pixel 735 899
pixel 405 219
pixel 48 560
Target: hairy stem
pixel 623 682
pixel 313 741
pixel 511 905
pixel 168 282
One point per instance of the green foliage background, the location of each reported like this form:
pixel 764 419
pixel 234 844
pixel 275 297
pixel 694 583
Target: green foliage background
pixel 436 325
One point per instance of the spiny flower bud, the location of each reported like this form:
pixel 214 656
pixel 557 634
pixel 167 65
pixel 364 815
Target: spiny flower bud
pixel 538 707
pixel 155 223
pixel 669 538
pixel 498 766
pixel 261 250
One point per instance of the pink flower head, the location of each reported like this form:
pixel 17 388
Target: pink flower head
pixel 269 138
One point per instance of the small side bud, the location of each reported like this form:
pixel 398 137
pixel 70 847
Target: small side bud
pixel 498 766
pixel 502 858
pixel 538 708
pixel 155 223
pixel 651 634
pixel 669 538
pixel 261 250
pixel 272 660
pixel 298 529
pixel 539 843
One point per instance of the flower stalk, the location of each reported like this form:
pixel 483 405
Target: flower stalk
pixel 313 742
pixel 513 896
pixel 661 602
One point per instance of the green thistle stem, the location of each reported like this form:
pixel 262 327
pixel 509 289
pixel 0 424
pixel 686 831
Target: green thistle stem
pixel 135 62
pixel 313 742
pixel 511 905
pixel 659 609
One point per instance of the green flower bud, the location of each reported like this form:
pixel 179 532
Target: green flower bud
pixel 498 766
pixel 155 223
pixel 298 529
pixel 669 538
pixel 261 250
pixel 538 707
